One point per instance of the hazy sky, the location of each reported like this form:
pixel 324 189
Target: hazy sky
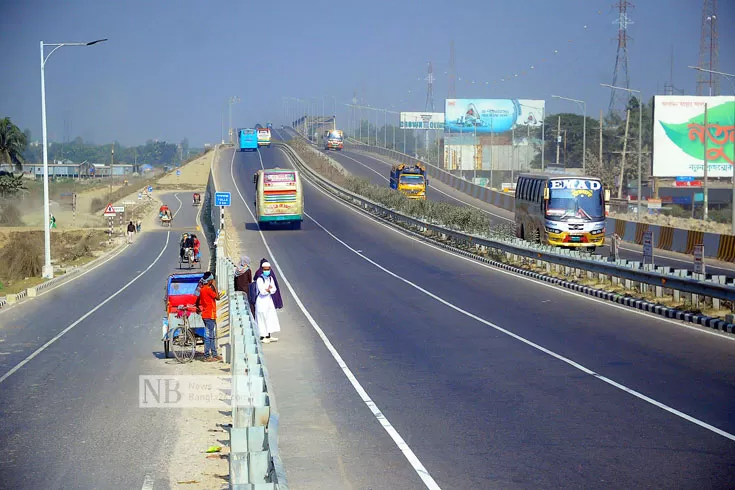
pixel 169 66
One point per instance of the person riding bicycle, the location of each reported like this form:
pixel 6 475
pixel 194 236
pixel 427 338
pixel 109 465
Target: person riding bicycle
pixel 197 198
pixel 195 244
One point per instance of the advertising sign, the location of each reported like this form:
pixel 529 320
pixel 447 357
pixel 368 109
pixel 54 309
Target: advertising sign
pixel 485 116
pixel 679 135
pixel 421 120
pixel 699 266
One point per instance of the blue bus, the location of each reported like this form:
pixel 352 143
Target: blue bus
pixel 248 140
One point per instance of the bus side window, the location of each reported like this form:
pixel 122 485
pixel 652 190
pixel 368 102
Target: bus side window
pixel 537 191
pixel 519 186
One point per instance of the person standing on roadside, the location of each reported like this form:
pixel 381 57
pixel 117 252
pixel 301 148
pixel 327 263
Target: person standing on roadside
pixel 265 307
pixel 243 278
pixel 207 306
pixel 131 230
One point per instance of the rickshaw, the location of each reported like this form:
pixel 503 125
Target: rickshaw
pixel 183 328
pixel 189 257
pixel 165 217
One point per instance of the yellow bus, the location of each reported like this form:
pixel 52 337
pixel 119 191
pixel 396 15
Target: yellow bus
pixel 561 211
pixel 279 197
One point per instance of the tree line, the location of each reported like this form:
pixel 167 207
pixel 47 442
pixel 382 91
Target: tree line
pixel 15 149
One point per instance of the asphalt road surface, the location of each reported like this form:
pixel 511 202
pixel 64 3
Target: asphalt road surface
pixel 69 365
pixel 490 379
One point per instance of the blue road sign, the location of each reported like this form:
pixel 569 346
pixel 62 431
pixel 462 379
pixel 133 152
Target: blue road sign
pixel 150 188
pixel 685 179
pixel 222 198
pixel 178 172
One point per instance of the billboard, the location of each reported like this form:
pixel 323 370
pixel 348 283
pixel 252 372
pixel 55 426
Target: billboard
pixel 679 135
pixel 485 116
pixel 421 120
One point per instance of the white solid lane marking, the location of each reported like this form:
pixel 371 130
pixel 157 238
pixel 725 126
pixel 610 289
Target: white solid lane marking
pixel 608 304
pixel 90 312
pixel 379 416
pixel 148 482
pixel 528 342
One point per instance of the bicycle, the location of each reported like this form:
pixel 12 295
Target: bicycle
pixel 183 340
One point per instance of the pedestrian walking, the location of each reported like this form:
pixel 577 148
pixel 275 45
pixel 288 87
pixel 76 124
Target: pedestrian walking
pixel 266 304
pixel 131 230
pixel 52 221
pixel 137 226
pixel 243 278
pixel 207 306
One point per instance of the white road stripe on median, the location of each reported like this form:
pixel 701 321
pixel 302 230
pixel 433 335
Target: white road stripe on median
pixel 382 420
pixel 566 360
pixel 90 312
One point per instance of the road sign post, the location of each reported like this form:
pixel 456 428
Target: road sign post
pixel 222 199
pixel 648 247
pixel 699 266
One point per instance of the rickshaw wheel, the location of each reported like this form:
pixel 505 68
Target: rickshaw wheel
pixel 184 344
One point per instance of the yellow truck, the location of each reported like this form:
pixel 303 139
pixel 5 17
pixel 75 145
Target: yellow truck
pixel 411 180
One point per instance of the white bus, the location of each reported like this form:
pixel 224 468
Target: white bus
pixel 562 211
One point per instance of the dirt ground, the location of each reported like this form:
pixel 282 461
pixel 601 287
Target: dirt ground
pixel 193 176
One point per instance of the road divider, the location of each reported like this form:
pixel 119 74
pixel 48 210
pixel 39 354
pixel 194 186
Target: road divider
pixel 254 461
pixel 563 267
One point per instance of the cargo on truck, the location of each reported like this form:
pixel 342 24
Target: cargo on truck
pixel 409 179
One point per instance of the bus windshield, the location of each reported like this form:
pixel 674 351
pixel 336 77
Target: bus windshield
pixel 280 178
pixel 565 204
pixel 412 179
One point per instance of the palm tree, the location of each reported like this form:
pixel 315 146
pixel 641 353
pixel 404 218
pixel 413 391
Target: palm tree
pixel 12 144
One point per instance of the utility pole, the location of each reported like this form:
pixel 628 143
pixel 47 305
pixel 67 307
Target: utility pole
pixel 706 138
pixel 558 139
pixel 602 166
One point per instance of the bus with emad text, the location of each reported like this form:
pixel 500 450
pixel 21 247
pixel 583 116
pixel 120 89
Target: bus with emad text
pixel 561 211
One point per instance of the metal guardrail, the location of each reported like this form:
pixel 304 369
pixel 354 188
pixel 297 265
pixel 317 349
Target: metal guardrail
pixel 629 271
pixel 254 462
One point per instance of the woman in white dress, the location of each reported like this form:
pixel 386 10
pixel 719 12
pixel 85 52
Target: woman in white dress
pixel 265 310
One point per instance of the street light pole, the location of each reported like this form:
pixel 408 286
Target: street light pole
pixel 584 129
pixel 640 141
pixel 731 78
pixel 48 271
pixel 233 100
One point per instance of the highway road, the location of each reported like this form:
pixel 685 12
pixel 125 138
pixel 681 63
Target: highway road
pixel 474 377
pixel 69 366
pixel 376 168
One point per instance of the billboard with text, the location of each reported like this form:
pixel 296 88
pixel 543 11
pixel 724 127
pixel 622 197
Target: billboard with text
pixel 679 136
pixel 484 116
pixel 421 120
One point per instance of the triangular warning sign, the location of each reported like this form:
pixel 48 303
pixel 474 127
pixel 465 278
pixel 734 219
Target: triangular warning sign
pixel 109 209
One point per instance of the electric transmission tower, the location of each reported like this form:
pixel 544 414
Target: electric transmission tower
pixel 430 90
pixel 707 83
pixel 620 74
